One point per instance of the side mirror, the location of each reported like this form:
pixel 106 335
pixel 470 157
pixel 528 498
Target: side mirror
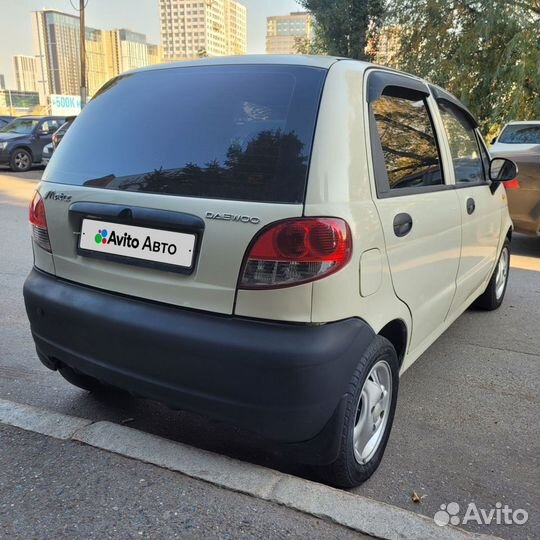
pixel 42 133
pixel 502 170
pixel 494 140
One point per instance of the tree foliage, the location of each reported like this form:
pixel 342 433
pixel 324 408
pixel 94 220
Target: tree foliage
pixel 486 52
pixel 343 27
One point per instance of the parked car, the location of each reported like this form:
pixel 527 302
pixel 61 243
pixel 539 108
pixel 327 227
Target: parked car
pixel 57 137
pixel 520 141
pixel 46 156
pixel 22 140
pixel 4 120
pixel 274 255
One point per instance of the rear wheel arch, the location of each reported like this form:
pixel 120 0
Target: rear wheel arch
pixel 396 333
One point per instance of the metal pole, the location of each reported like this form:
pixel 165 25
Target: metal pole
pixel 10 103
pixel 84 91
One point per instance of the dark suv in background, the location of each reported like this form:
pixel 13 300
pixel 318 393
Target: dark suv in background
pixel 4 120
pixel 23 139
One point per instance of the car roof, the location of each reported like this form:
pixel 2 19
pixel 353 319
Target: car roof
pixel 324 62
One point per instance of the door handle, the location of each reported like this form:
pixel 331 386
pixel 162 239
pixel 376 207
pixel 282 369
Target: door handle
pixel 402 225
pixel 471 206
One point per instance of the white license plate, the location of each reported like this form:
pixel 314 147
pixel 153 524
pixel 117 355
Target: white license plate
pixel 152 245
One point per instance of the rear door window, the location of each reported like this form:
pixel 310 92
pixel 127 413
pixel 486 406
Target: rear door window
pixel 225 132
pixel 408 141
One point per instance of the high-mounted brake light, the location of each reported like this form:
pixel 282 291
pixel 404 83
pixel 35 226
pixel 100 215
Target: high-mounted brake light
pixel 296 251
pixel 38 221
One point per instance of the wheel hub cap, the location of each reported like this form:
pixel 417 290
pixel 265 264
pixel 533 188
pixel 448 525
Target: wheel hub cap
pixel 372 412
pixel 21 161
pixel 501 274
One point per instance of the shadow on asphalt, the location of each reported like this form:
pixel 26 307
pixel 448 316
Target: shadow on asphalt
pixel 527 246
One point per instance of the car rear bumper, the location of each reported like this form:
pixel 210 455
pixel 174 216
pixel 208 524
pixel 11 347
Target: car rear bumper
pixel 283 381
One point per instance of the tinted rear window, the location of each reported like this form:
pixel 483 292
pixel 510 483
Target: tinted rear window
pixel 225 132
pixel 520 134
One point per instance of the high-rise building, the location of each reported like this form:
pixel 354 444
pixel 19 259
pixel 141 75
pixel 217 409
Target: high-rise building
pixel 385 47
pixel 284 32
pixel 56 46
pixel 25 73
pixel 124 50
pixel 191 29
pixel 155 54
pixel 2 82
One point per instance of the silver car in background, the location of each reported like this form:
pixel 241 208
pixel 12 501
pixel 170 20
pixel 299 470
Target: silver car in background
pixel 520 142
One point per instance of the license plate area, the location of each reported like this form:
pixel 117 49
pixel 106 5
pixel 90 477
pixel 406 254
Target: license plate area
pixel 139 245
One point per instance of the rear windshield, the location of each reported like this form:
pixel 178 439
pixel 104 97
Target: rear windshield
pixel 224 132
pixel 520 134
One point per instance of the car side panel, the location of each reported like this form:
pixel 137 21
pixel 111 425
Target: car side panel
pixel 339 185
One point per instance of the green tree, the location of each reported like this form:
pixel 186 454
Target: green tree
pixel 486 52
pixel 344 27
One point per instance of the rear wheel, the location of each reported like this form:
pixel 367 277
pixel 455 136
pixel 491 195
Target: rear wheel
pixel 494 295
pixel 79 379
pixel 21 160
pixel 369 414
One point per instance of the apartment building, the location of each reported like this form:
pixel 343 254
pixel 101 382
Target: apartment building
pixel 283 32
pixel 125 50
pixel 108 54
pixel 385 47
pixel 192 29
pixel 56 47
pixel 25 73
pixel 155 54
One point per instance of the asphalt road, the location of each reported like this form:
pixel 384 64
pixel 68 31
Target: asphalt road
pixel 467 428
pixel 56 489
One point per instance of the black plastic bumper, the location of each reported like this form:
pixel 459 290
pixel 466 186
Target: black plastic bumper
pixel 284 381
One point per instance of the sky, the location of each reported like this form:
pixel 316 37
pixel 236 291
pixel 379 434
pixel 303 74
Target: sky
pixel 137 15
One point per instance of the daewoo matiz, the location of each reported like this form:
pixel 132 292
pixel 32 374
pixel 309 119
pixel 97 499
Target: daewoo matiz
pixel 267 241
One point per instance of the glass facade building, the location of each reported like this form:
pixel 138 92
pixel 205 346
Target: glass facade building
pixel 56 46
pixel 283 32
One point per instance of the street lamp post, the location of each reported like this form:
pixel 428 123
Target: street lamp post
pixel 10 103
pixel 84 91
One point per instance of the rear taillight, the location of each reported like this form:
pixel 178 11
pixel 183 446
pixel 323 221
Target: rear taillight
pixel 296 251
pixel 38 221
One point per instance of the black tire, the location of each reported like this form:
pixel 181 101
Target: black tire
pixel 76 378
pixel 20 160
pixel 492 298
pixel 346 472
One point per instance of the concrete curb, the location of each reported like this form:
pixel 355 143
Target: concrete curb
pixel 365 515
pixel 58 426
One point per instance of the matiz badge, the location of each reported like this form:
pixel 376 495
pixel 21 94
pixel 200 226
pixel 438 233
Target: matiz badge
pixel 52 195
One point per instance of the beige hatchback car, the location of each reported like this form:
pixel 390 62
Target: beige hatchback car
pixel 267 241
